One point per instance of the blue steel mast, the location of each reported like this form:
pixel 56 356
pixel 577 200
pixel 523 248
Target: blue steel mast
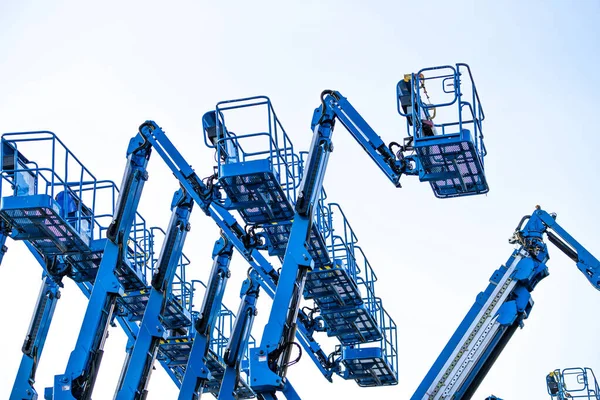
pixel 38 330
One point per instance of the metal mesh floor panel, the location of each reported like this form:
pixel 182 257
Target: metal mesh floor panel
pixel 130 279
pixel 371 371
pixel 85 265
pixel 173 316
pixel 258 197
pixel 135 303
pixel 332 288
pixel 176 351
pixel 352 325
pixel 45 230
pixel 457 164
pixel 279 234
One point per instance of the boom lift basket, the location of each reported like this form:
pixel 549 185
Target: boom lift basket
pixel 258 168
pixel 447 134
pixel 573 383
pixel 374 365
pixel 56 204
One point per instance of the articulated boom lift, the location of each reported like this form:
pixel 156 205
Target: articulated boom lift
pixel 265 193
pixel 278 194
pixel 501 308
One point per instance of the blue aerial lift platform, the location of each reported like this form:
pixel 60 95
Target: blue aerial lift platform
pixel 33 204
pixel 502 308
pixel 278 193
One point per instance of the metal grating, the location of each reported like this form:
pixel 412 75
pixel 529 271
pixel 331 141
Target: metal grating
pixel 332 288
pixel 45 230
pixel 175 351
pixel 258 197
pixel 279 235
pixel 85 265
pixel 370 371
pixel 351 325
pixel 453 168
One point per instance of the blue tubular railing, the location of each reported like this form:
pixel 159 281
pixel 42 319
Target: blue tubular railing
pixel 365 277
pixel 457 89
pixel 389 342
pixel 576 383
pixel 89 204
pixel 276 145
pixel 55 171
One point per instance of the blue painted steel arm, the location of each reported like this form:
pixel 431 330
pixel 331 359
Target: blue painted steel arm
pixel 196 371
pixel 78 380
pixel 501 309
pixel 35 339
pixel 492 320
pixel 136 372
pixel 269 362
pixel 233 231
pixel 339 107
pixel 240 336
pixel 585 261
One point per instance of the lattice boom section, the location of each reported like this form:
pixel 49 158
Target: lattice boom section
pixel 258 197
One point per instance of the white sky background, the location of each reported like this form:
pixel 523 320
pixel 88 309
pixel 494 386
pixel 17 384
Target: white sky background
pixel 93 73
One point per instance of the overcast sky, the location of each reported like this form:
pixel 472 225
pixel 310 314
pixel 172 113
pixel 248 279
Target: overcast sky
pixel 92 72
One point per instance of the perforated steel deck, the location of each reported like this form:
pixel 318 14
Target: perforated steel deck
pixel 173 316
pixel 332 288
pixel 175 351
pixel 368 368
pixel 255 192
pixel 85 265
pixel 451 165
pixel 279 235
pixel 351 325
pixel 37 219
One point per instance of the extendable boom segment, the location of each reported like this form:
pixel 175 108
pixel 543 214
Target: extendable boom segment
pixel 139 364
pixel 197 372
pixel 336 106
pixel 36 337
pixel 84 362
pixel 240 336
pixel 501 308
